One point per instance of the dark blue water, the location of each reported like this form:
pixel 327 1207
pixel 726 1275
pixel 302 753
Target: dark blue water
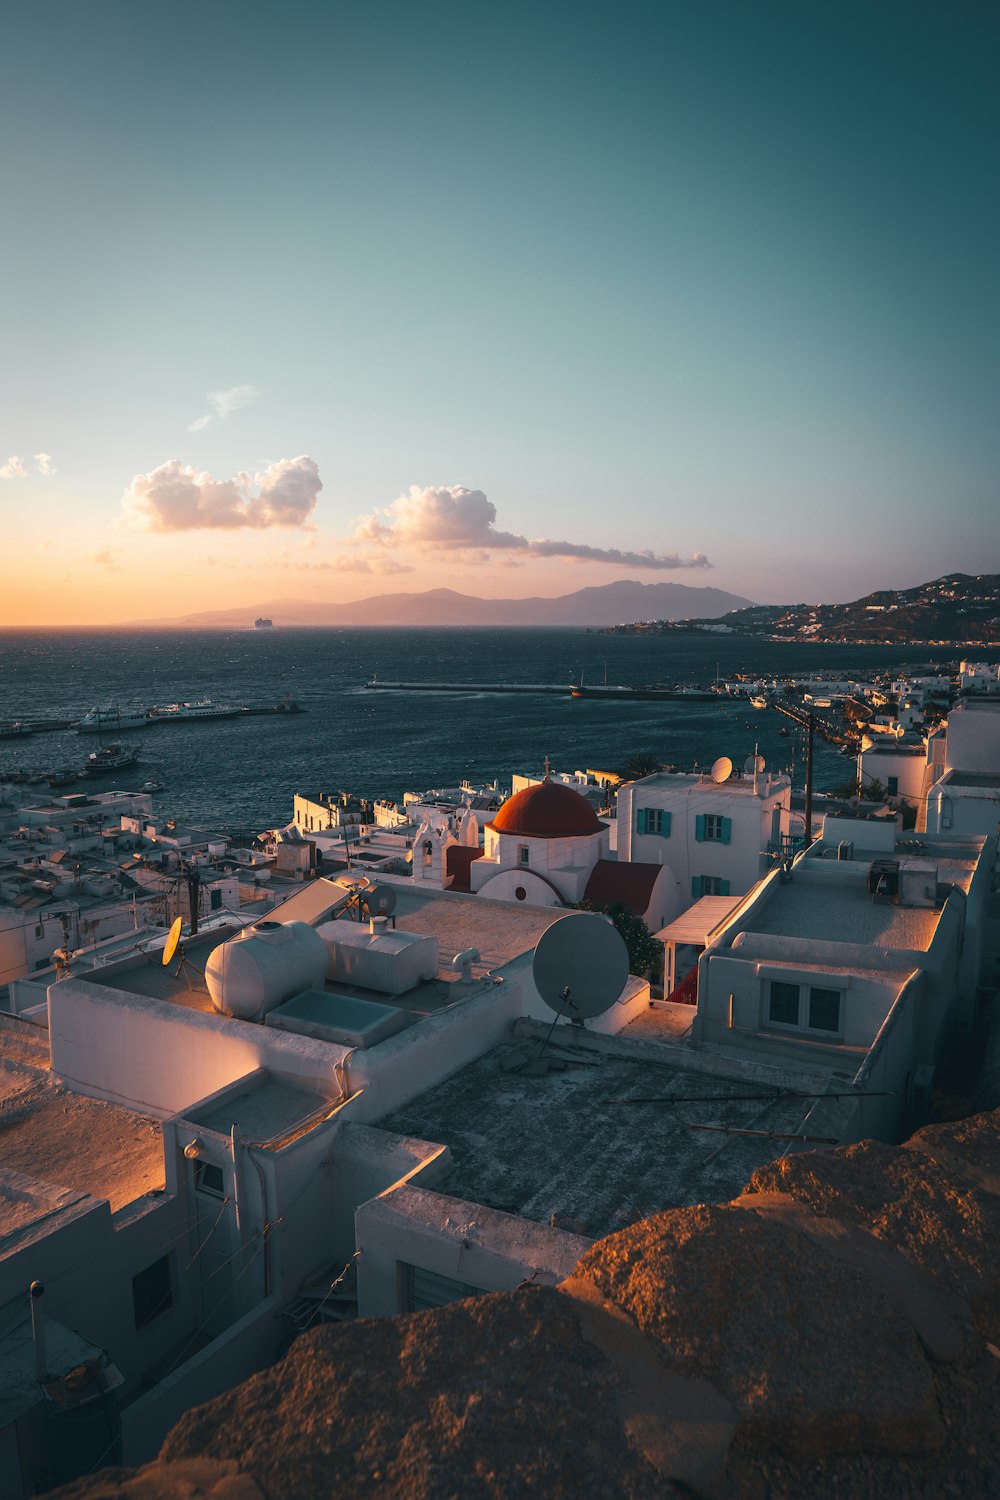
pixel 242 773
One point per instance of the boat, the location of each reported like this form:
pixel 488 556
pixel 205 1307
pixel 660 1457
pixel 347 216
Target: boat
pixel 111 757
pixel 203 708
pixel 263 623
pixel 62 778
pixel 14 729
pixel 151 786
pixel 113 719
pixel 757 700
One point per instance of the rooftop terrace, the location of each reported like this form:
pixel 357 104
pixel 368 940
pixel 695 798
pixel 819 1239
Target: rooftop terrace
pixel 565 1144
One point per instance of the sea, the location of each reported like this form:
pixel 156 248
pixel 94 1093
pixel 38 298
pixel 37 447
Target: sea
pixel 240 775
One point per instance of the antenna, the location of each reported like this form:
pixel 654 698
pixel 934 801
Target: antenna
pixel 580 968
pixel 722 770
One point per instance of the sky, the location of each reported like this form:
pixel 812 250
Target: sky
pixel 318 300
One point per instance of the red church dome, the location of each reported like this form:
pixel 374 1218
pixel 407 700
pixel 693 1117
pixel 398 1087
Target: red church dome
pixel 547 811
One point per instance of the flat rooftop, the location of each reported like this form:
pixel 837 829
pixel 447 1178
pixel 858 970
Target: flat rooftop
pixel 842 911
pixel 501 930
pixel 51 1135
pixel 564 1144
pixel 268 1111
pixel 989 779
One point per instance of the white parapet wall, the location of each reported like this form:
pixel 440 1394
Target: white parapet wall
pixel 162 1058
pixel 465 1242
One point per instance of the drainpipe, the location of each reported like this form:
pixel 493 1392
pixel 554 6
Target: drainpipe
pixel 35 1294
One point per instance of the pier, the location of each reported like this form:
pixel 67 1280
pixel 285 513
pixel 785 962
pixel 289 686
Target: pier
pixel 468 687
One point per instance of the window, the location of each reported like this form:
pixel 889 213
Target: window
pixel 420 1289
pixel 805 1007
pixel 653 820
pixel 892 786
pixel 523 853
pixel 714 885
pixel 824 1010
pixel 712 828
pixel 783 1004
pixel 208 1178
pixel 39 930
pixel 152 1293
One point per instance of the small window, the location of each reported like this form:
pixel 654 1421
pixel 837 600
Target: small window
pixel 40 930
pixel 713 828
pixel 520 894
pixel 420 1289
pixel 783 1004
pixel 152 1293
pixel 714 885
pixel 654 820
pixel 892 786
pixel 523 854
pixel 208 1178
pixel 824 1010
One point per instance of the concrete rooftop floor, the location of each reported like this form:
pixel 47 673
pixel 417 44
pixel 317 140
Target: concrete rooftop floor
pixel 560 1144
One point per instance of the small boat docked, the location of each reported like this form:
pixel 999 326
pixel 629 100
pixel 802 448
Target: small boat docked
pixel 757 700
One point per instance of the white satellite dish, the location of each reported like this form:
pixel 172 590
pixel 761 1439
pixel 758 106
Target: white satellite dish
pixel 722 770
pixel 580 965
pixel 754 764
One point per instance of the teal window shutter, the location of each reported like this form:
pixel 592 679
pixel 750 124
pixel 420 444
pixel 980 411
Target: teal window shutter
pixel 697 882
pixel 665 825
pixel 640 820
pixel 699 830
pixel 727 828
pixel 723 887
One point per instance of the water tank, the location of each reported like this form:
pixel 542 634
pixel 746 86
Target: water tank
pixel 263 967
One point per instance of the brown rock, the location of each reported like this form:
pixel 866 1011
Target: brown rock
pixel 811 1353
pixel 497 1396
pixel 925 1206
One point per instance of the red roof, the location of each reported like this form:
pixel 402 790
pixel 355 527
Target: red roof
pixel 547 811
pixel 628 884
pixel 458 858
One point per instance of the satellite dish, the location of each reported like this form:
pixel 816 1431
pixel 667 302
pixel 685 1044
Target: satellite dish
pixel 754 764
pixel 722 770
pixel 173 938
pixel 580 965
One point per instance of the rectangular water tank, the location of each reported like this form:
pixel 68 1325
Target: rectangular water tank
pixel 389 961
pixel 332 1017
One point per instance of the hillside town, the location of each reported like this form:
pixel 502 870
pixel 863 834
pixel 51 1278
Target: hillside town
pixel 253 1089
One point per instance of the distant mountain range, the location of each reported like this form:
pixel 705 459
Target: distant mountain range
pixel 960 609
pixel 609 604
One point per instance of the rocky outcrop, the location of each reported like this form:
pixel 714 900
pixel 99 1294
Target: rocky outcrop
pixel 832 1332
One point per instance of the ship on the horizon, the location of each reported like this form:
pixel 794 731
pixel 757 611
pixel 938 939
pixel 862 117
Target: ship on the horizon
pixel 263 623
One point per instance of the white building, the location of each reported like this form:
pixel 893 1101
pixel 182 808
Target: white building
pixel 713 839
pixel 863 959
pixel 962 774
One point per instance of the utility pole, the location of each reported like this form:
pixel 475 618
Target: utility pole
pixel 809 783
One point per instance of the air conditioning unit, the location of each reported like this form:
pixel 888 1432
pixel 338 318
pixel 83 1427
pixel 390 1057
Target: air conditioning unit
pixel 845 849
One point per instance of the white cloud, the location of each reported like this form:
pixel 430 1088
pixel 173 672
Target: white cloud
pixel 105 557
pixel 13 468
pixel 177 497
pixel 458 519
pixel 44 464
pixel 223 403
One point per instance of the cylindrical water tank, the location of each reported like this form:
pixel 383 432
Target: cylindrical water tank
pixel 266 965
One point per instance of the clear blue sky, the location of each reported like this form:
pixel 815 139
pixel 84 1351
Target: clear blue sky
pixel 712 278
